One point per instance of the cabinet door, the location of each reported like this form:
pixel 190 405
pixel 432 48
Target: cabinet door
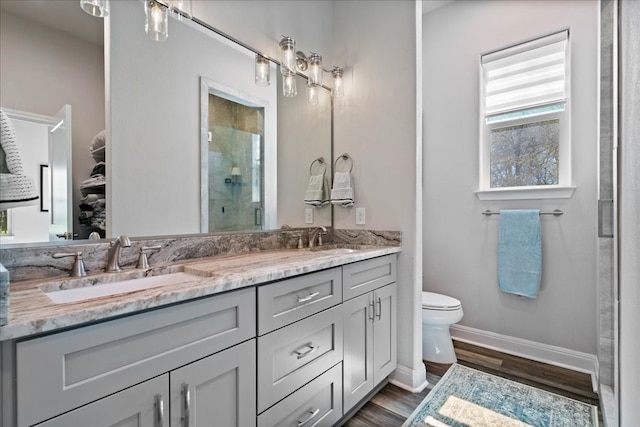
pixel 384 332
pixel 218 390
pixel 143 405
pixel 358 349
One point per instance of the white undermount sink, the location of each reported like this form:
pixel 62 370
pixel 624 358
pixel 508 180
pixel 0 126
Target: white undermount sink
pixel 338 251
pixel 114 288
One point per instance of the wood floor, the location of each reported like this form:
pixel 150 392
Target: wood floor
pixel 393 405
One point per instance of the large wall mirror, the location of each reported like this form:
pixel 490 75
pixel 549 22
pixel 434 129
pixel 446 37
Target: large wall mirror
pixel 160 180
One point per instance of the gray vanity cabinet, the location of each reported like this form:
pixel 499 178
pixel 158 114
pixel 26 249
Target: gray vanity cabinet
pixel 369 327
pixel 220 387
pixel 143 405
pixel 298 352
pixel 64 371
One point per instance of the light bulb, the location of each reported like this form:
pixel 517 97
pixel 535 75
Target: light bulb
pixel 289 88
pixel 288 55
pixel 315 69
pixel 313 93
pixel 338 89
pixel 263 71
pixel 157 22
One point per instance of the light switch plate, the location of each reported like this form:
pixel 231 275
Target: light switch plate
pixel 308 216
pixel 360 216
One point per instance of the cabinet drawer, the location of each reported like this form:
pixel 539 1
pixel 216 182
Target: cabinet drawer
pixel 72 368
pixel 285 302
pixel 292 356
pixel 318 403
pixel 364 276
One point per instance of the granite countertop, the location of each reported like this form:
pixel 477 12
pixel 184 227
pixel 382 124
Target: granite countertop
pixel 32 312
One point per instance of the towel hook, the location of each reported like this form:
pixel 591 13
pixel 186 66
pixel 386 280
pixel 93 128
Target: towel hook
pixel 345 158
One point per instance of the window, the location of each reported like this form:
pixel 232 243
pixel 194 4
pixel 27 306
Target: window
pixel 525 122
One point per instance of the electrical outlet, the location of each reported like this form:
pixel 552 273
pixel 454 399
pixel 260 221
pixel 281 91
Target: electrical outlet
pixel 360 216
pixel 308 216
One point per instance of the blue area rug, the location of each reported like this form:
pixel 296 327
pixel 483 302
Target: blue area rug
pixel 465 397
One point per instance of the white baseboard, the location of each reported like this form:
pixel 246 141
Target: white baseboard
pixel 558 356
pixel 413 380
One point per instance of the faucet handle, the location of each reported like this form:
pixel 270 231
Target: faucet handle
pixel 143 261
pixel 77 270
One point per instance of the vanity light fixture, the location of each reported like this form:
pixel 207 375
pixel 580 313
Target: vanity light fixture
pixel 97 8
pixel 315 69
pixel 292 61
pixel 289 87
pixel 313 94
pixel 287 55
pixel 338 89
pixel 263 70
pixel 156 20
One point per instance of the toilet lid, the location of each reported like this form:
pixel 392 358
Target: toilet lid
pixel 433 301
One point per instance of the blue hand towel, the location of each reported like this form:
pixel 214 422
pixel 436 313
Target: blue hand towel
pixel 519 252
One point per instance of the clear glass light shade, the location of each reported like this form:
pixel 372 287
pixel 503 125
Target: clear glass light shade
pixel 338 89
pixel 99 8
pixel 315 69
pixel 179 9
pixel 157 20
pixel 289 88
pixel 263 71
pixel 313 93
pixel 287 55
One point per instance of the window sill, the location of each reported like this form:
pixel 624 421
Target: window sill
pixel 526 193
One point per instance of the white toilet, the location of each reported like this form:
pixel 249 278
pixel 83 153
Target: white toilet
pixel 438 313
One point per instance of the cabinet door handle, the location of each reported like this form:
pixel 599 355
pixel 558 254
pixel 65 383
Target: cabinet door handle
pixel 310 349
pixel 308 298
pixel 379 313
pixel 372 310
pixel 186 404
pixel 311 415
pixel 159 404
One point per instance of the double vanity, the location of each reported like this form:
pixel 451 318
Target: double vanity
pixel 281 337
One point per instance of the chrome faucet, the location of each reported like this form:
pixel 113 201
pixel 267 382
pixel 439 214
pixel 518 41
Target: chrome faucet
pixel 113 264
pixel 316 234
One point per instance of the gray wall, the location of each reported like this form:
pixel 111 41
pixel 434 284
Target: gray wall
pixel 41 69
pixel 460 244
pixel 375 123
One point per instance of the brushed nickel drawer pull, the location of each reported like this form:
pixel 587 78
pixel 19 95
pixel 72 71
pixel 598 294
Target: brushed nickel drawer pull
pixel 379 314
pixel 300 354
pixel 186 404
pixel 312 414
pixel 372 310
pixel 159 404
pixel 308 298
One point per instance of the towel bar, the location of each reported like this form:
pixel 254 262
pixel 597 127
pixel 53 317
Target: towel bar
pixel 556 212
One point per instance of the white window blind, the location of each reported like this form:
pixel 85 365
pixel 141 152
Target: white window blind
pixel 526 76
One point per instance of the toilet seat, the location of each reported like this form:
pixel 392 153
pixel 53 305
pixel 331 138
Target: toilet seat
pixel 433 301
